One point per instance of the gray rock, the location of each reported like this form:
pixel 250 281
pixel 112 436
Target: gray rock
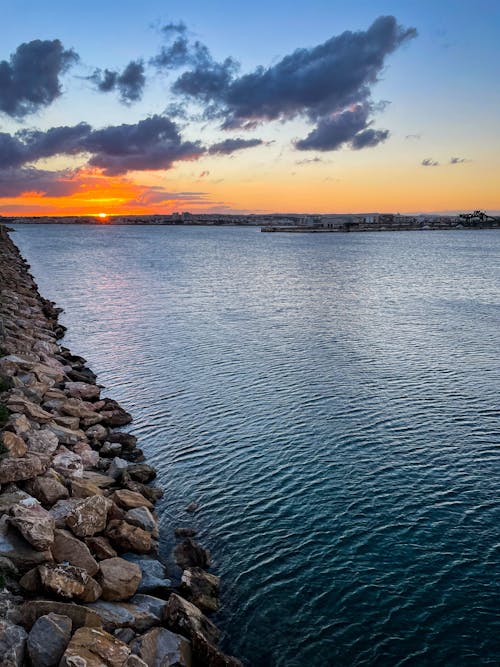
pixel 16 549
pixel 140 613
pixel 48 639
pixel 12 644
pixel 142 517
pixel 154 579
pixel 117 466
pixel 160 647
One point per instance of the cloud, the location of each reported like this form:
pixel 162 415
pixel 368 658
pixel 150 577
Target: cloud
pixel 321 84
pixel 130 83
pixel 151 144
pixel 18 181
pixel 458 160
pixel 309 160
pixel 229 146
pixel 30 79
pixel 429 162
pixel 368 138
pixel 413 137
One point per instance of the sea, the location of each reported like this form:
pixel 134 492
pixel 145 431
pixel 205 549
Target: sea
pixel 331 402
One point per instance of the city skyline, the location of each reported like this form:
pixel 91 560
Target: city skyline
pixel 325 109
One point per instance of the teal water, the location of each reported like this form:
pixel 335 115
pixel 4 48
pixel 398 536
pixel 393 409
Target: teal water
pixel 331 401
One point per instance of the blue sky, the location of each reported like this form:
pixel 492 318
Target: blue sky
pixel 441 88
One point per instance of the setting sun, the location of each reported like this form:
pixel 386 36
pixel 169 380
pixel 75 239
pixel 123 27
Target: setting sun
pixel 102 215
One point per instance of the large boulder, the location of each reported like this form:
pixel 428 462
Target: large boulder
pixel 68 581
pixel 34 523
pixel 18 469
pixel 188 620
pixel 67 463
pixel 48 639
pixel 160 647
pixel 130 499
pixel 47 488
pixel 84 488
pixel 129 538
pixel 87 392
pixel 80 615
pixel 201 588
pixel 92 647
pixel 100 547
pixel 14 444
pixel 89 516
pixel 142 517
pixel 140 613
pixel 32 411
pixel 119 579
pixel 42 442
pixel 66 436
pixel 68 548
pixel 12 644
pixel 17 549
pixel 154 578
pixel 191 554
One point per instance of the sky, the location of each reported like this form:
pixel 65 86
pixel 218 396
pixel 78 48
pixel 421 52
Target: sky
pixel 212 106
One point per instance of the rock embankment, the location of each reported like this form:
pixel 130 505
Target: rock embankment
pixel 81 580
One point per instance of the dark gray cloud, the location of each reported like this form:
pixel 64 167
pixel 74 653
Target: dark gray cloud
pixel 369 137
pixel 458 160
pixel 429 162
pixel 152 143
pixel 130 83
pixel 229 146
pixel 31 78
pixel 321 83
pixel 16 181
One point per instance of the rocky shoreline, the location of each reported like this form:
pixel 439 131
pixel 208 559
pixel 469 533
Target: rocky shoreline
pixel 82 584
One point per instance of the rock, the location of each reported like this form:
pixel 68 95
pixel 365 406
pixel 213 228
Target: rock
pixel 30 581
pixel 89 392
pixel 135 661
pixel 14 444
pixel 154 578
pixel 192 507
pixel 183 617
pixel 84 488
pixel 88 456
pixel 80 616
pixel 70 549
pixel 66 436
pixel 206 653
pixel 48 639
pixel 102 481
pixel 191 554
pixel 72 423
pixel 110 449
pixel 18 469
pixel 117 467
pixel 61 509
pixel 97 433
pixel 114 418
pixel 100 547
pixel 185 532
pixel 11 498
pixel 200 588
pixel 42 442
pixel 32 411
pixel 160 647
pixel 12 644
pixel 119 579
pixel 128 538
pixel 47 488
pixel 68 581
pixel 89 516
pixel 130 499
pixel 67 463
pixel 141 472
pixel 18 550
pixel 126 440
pixel 152 493
pixel 125 634
pixel 140 613
pixel 92 647
pixel 20 424
pixel 35 524
pixel 142 517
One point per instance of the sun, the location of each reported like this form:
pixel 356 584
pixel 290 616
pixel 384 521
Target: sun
pixel 102 215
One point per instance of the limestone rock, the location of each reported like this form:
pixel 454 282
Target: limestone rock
pixel 97 433
pixel 48 639
pixel 142 517
pixel 183 617
pixel 14 444
pixel 88 392
pixel 130 499
pixel 88 456
pixel 31 410
pixel 17 549
pixel 68 548
pixel 18 469
pixel 100 547
pixel 20 424
pixel 42 442
pixel 48 488
pixel 67 463
pixel 191 554
pixel 72 423
pixel 12 644
pixel 160 647
pixel 84 488
pixel 35 524
pixel 128 538
pixel 200 588
pixel 89 516
pixel 68 581
pixel 92 647
pixel 119 579
pixel 66 436
pixel 62 509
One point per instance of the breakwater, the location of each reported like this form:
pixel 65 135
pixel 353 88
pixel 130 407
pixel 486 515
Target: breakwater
pixel 82 582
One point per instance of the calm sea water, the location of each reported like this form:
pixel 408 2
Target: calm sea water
pixel 331 401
